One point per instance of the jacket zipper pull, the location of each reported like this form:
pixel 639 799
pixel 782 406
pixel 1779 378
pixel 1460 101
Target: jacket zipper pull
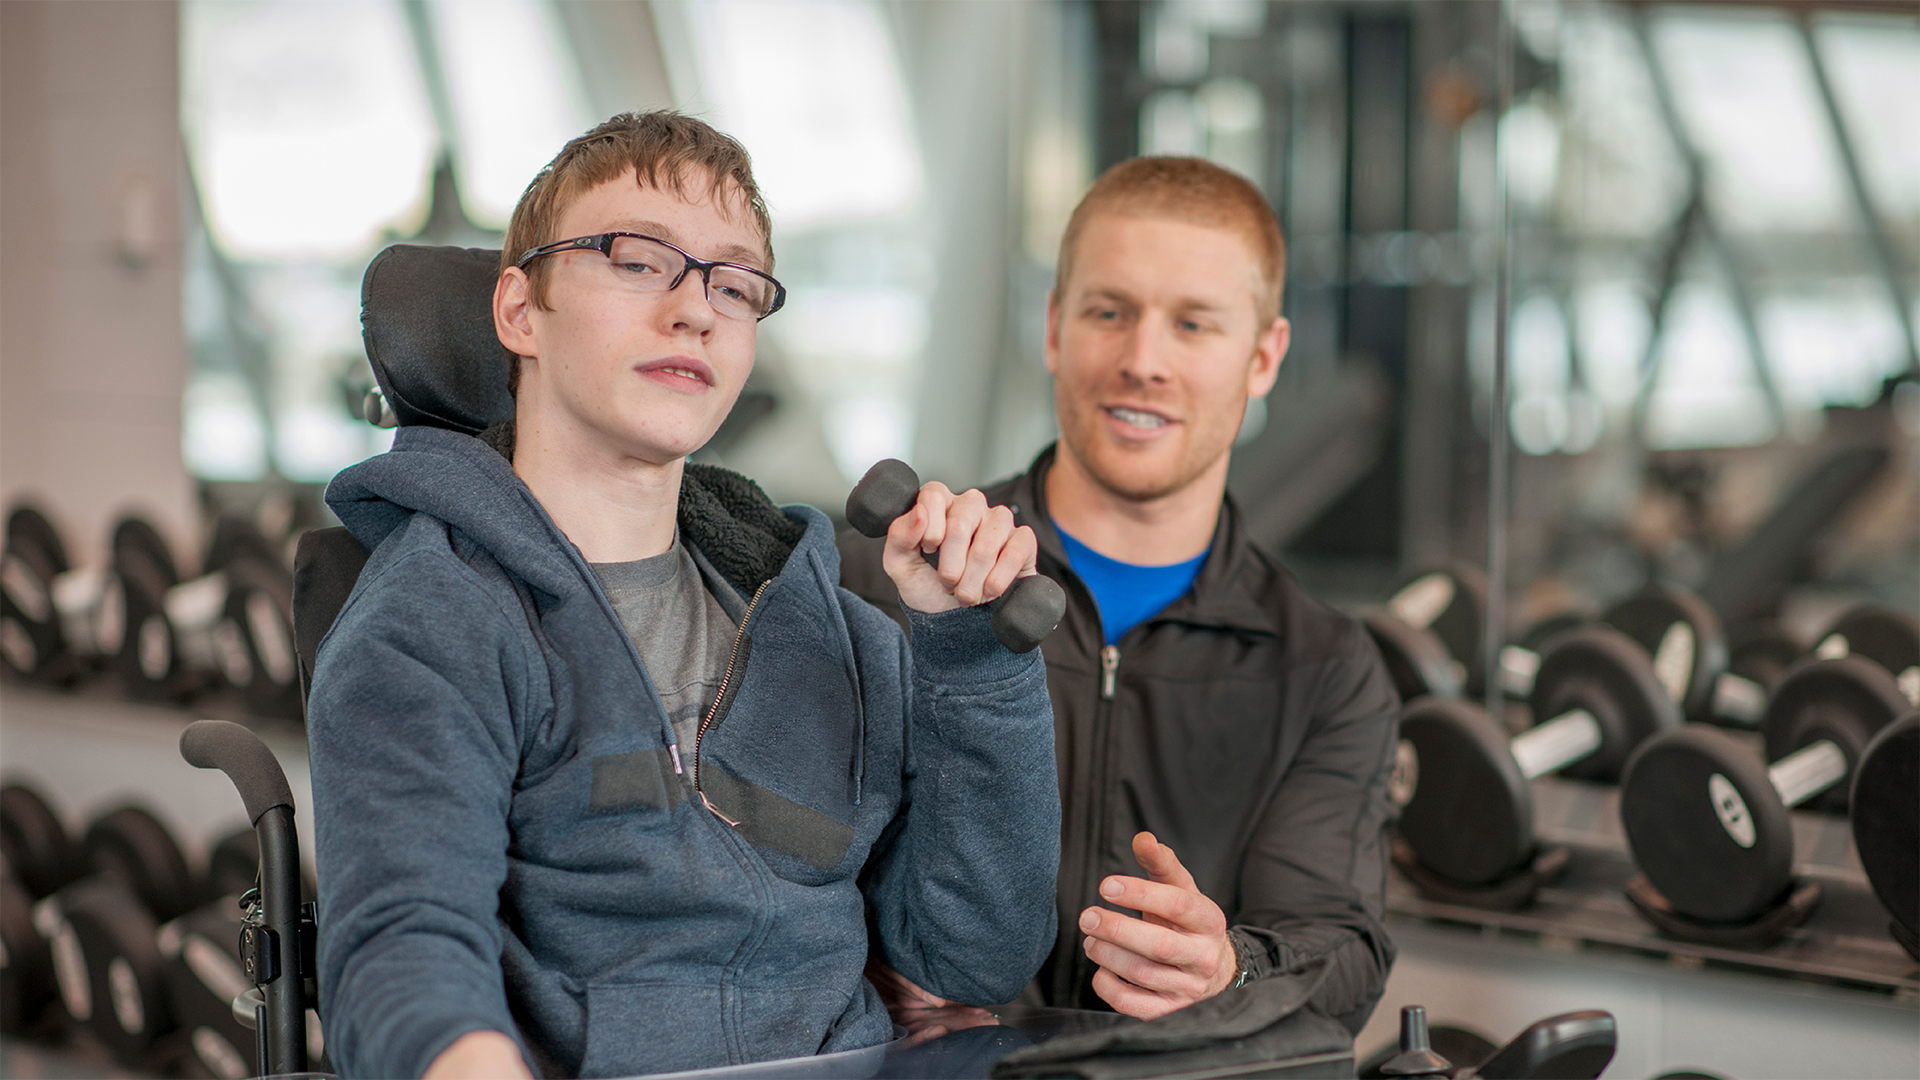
pixel 1109 663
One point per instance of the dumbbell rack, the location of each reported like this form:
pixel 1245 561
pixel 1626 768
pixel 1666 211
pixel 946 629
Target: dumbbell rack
pixel 1843 941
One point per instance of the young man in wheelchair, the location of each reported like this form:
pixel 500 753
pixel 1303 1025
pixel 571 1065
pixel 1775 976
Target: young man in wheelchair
pixel 609 775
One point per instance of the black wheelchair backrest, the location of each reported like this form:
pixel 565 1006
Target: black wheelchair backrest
pixel 426 317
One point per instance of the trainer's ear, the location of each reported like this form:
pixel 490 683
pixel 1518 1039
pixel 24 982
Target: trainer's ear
pixel 1267 354
pixel 512 312
pixel 1053 332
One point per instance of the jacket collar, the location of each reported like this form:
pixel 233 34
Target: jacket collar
pixel 1221 596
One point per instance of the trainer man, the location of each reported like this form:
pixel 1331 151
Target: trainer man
pixel 1224 740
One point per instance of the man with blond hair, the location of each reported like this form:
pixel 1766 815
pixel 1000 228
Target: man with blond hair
pixel 1224 741
pixel 609 776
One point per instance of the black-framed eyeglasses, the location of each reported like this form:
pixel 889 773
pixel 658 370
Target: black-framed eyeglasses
pixel 648 264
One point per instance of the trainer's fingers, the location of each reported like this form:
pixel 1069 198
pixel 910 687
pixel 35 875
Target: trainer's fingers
pixel 1160 863
pixel 1128 999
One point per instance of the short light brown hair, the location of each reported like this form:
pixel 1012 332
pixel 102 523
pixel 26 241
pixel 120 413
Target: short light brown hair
pixel 1192 190
pixel 664 150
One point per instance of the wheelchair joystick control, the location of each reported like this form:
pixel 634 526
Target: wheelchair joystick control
pixel 1416 1057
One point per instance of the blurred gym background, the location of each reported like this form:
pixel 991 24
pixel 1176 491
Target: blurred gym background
pixel 1593 293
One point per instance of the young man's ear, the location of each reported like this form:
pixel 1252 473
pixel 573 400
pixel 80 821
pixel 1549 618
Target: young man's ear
pixel 1267 354
pixel 512 312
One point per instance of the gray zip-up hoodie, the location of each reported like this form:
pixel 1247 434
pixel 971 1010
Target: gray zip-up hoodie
pixel 508 838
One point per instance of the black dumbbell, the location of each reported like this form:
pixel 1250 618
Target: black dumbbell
pixel 1885 805
pixel 107 965
pixel 203 973
pixel 254 638
pixel 1762 651
pixel 1470 815
pixel 31 644
pixel 1451 603
pixel 1682 634
pixel 1887 636
pixel 1417 660
pixel 134 638
pixel 1707 823
pixel 130 845
pixel 35 843
pixel 26 966
pixel 1022 616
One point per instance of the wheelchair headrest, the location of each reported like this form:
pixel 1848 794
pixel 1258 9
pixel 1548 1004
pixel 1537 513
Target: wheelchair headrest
pixel 426 315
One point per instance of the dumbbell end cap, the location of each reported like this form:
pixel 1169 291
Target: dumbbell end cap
pixel 888 490
pixel 1028 612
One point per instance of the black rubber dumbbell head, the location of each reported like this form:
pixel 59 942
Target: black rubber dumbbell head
pixel 203 973
pixel 1886 819
pixel 1451 602
pixel 255 638
pixel 1022 616
pixel 1417 661
pixel 1762 652
pixel 35 843
pixel 108 967
pixel 1845 701
pixel 1471 815
pixel 1706 825
pixel 31 641
pixel 26 969
pixel 1885 635
pixel 1603 671
pixel 132 846
pixel 1683 636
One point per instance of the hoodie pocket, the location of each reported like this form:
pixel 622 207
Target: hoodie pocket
pixel 652 1027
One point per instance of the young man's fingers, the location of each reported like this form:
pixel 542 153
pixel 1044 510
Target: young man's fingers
pixel 935 500
pixel 1130 1000
pixel 1182 908
pixel 1160 863
pixel 1159 944
pixel 983 555
pixel 964 516
pixel 1016 561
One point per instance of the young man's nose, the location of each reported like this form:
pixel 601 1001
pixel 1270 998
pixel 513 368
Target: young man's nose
pixel 685 306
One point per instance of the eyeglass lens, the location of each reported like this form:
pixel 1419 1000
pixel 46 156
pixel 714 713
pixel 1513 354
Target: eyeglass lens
pixel 650 266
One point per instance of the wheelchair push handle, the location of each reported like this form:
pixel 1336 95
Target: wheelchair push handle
pixel 274 942
pixel 223 745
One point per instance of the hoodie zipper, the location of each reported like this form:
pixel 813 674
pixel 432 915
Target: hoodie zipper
pixel 1109 664
pixel 713 711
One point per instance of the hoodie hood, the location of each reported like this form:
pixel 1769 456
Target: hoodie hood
pixel 469 483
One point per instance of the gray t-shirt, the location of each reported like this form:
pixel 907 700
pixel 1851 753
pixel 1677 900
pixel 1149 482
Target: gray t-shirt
pixel 682 632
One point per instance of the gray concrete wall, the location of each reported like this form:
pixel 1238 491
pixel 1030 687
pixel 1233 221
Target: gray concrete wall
pixel 92 355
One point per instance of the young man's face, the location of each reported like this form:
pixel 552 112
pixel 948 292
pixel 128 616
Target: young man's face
pixel 1155 347
pixel 646 376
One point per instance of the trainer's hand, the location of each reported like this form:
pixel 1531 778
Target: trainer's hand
pixel 980 550
pixel 1177 954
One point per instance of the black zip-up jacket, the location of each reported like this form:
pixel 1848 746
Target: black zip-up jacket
pixel 1247 725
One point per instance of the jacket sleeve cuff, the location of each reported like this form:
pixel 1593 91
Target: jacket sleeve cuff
pixel 959 645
